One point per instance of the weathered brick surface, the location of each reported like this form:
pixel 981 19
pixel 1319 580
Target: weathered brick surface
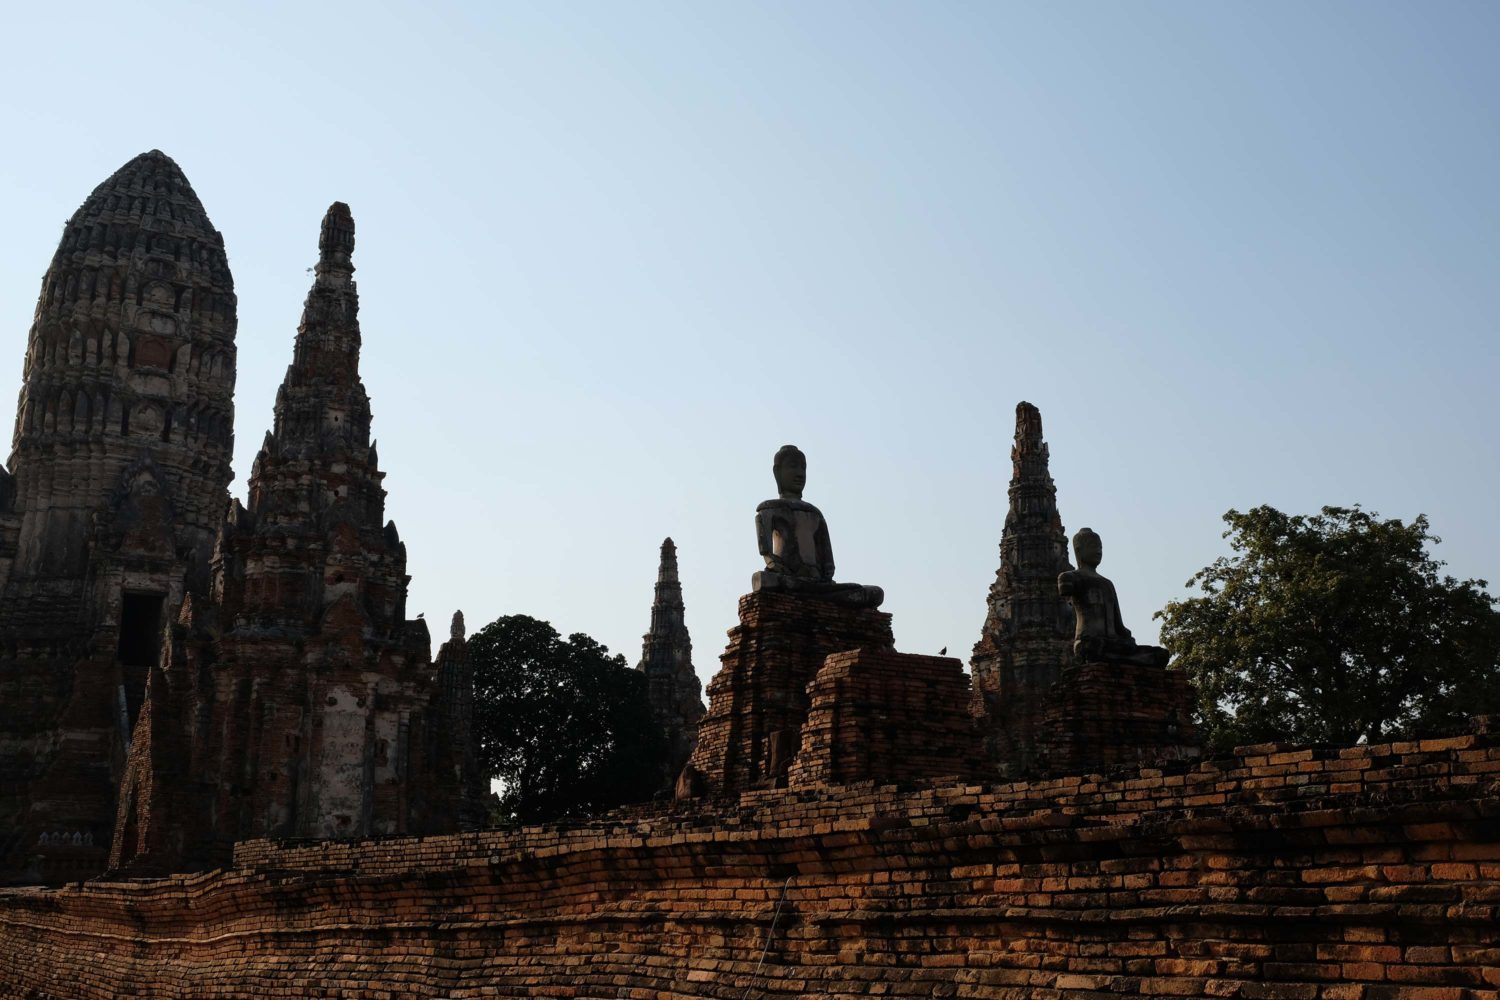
pixel 1370 872
pixel 880 715
pixel 761 689
pixel 1106 714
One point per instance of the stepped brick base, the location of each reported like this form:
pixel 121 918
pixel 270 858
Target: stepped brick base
pixel 1106 714
pixel 879 715
pixel 758 700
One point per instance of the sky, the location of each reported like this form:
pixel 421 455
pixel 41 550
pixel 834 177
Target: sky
pixel 612 256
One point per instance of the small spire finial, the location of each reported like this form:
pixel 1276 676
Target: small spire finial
pixel 336 241
pixel 1028 422
pixel 456 630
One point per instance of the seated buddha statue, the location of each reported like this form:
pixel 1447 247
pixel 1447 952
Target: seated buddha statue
pixel 1099 635
pixel 793 538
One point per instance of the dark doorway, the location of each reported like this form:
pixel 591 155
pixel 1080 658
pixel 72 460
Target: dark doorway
pixel 140 629
pixel 140 641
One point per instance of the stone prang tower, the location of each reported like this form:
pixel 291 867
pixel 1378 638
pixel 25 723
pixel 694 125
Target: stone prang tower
pixel 117 483
pixel 300 701
pixel 1028 630
pixel 672 685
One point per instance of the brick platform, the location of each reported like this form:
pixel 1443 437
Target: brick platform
pixel 761 689
pixel 879 715
pixel 1370 872
pixel 1111 714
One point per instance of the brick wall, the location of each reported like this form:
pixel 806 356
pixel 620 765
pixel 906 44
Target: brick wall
pixel 1112 714
pixel 1371 872
pixel 880 715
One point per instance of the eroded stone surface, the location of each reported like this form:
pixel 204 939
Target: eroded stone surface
pixel 300 701
pixel 118 477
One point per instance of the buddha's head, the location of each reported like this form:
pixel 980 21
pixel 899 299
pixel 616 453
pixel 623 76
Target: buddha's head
pixel 790 469
pixel 1088 548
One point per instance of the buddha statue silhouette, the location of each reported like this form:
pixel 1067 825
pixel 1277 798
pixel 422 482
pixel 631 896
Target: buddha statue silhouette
pixel 1099 634
pixel 793 539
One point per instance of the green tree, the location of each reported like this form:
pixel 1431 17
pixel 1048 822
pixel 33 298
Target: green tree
pixel 1333 628
pixel 564 725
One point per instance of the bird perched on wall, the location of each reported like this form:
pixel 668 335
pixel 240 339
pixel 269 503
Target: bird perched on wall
pixel 943 651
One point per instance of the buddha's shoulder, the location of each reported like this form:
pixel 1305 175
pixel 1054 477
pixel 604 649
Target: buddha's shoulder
pixel 782 505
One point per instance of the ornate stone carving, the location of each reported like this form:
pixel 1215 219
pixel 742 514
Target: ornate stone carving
pixel 130 364
pixel 323 714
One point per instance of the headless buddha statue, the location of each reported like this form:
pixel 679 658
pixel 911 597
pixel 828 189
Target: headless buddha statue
pixel 1099 635
pixel 794 541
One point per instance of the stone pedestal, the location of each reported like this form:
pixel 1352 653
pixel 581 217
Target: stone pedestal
pixel 758 701
pixel 879 715
pixel 1107 714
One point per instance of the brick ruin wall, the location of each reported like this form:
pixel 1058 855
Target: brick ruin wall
pixel 1370 872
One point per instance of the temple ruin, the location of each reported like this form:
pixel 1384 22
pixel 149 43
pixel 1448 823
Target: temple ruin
pixel 229 701
pixel 118 478
pixel 291 696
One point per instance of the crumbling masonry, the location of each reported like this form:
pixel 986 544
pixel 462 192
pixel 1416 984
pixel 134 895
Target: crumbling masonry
pixel 292 696
pixel 119 475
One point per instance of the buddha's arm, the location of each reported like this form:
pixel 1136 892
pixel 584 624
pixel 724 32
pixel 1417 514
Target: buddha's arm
pixel 1114 609
pixel 765 528
pixel 825 550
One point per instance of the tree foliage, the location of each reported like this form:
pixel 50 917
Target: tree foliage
pixel 564 725
pixel 1335 627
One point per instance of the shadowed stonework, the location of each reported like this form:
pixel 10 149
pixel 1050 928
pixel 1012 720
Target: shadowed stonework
pixel 118 479
pixel 759 699
pixel 300 701
pixel 1028 628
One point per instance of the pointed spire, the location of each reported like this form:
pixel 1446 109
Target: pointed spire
pixel 1028 456
pixel 456 629
pixel 666 573
pixel 1028 628
pixel 336 241
pixel 672 685
pixel 321 404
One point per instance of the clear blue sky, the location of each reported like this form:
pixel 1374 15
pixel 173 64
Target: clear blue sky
pixel 613 255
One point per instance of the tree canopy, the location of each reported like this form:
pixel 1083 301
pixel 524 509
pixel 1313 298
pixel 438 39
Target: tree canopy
pixel 1335 627
pixel 564 725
